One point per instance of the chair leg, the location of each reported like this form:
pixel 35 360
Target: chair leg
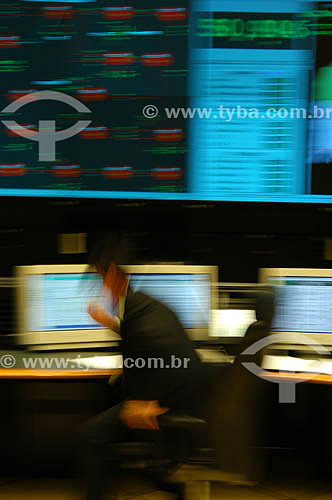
pixel 197 490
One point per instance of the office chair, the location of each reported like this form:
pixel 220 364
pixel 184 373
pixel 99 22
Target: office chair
pixel 237 410
pixel 194 451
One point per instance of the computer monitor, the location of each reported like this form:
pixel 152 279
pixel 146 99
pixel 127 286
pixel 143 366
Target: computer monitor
pixel 52 301
pixel 236 311
pixel 232 323
pixel 303 302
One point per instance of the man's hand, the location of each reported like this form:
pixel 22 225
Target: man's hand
pixel 99 314
pixel 142 414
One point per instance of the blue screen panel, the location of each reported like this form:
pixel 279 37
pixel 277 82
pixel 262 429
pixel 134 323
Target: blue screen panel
pixel 181 100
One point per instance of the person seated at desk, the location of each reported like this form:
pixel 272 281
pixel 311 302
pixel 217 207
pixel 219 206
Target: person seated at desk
pixel 149 331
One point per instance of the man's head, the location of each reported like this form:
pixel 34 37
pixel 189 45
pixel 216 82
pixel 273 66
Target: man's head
pixel 107 253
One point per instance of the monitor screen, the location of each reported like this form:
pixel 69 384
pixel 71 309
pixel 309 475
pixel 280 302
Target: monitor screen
pixel 167 100
pixel 188 295
pixel 303 304
pixel 52 300
pixel 302 313
pixel 56 302
pixel 231 322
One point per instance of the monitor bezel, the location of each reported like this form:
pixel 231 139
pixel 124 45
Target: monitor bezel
pixel 325 339
pixel 25 337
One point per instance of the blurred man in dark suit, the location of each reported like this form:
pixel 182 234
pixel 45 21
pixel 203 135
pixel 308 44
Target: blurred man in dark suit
pixel 151 332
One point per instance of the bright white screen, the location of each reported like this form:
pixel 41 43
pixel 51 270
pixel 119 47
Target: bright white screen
pixel 58 301
pixel 303 304
pixel 231 322
pixel 188 295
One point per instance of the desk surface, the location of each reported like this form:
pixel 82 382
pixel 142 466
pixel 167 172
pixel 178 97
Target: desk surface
pixel 297 377
pixel 15 365
pixel 61 365
pixel 28 365
pixel 102 374
pixel 46 374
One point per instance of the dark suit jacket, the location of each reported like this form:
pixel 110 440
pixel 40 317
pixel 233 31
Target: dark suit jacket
pixel 150 330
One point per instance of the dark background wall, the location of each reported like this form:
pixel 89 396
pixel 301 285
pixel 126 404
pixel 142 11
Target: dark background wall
pixel 239 238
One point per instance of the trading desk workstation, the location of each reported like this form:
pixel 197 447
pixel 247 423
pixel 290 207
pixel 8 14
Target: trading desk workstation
pixel 64 368
pixel 246 185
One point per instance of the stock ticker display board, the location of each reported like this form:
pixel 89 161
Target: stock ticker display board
pixel 116 59
pixel 221 65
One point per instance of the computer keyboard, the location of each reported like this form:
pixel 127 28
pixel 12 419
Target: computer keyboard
pixel 114 362
pixel 292 364
pixel 213 356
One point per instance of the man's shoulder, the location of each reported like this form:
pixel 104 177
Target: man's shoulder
pixel 141 300
pixel 141 304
